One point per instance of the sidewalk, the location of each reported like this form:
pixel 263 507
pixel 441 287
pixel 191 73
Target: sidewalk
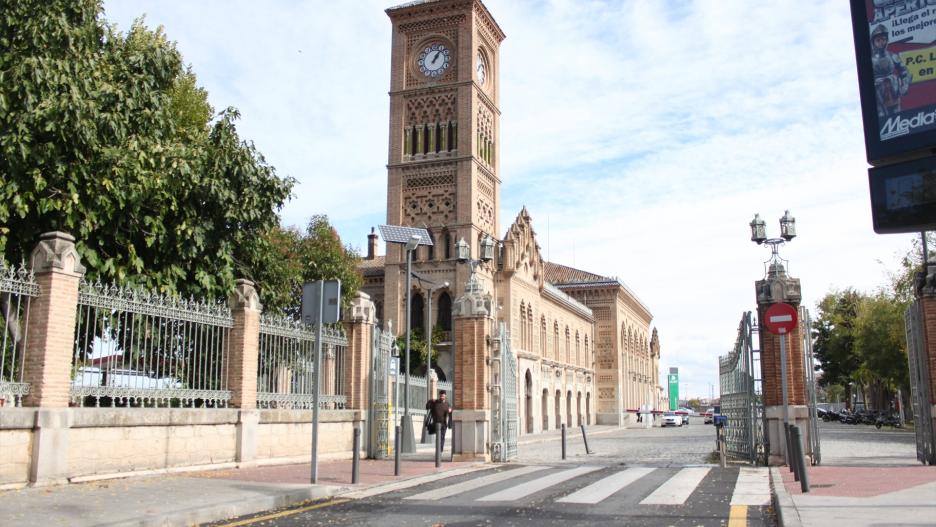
pixel 201 497
pixel 857 495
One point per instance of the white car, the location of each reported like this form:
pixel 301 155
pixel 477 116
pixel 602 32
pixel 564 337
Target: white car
pixel 671 419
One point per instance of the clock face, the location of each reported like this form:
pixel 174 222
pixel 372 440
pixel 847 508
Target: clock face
pixel 434 60
pixel 481 68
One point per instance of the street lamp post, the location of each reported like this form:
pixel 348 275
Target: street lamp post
pixel 759 236
pixel 432 288
pixel 411 238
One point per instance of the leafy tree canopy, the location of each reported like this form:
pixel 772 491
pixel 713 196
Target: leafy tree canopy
pixel 107 136
pixel 295 257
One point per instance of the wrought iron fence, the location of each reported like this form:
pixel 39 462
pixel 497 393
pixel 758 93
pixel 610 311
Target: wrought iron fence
pixel 286 365
pixel 143 349
pixel 17 287
pixel 740 401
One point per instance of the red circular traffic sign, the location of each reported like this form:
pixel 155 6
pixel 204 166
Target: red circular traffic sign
pixel 780 319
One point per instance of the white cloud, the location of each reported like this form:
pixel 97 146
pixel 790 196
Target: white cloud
pixel 644 134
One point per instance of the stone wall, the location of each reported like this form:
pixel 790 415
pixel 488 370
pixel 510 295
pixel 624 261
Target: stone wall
pixel 114 442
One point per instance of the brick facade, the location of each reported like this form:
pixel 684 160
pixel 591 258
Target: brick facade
pixel 471 368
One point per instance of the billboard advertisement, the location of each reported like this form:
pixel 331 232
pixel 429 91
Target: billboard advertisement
pixel 903 196
pixel 895 47
pixel 673 379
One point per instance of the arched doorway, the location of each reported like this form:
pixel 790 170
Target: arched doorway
pixel 558 409
pixel 545 409
pixel 528 392
pixel 578 408
pixel 569 407
pixel 588 408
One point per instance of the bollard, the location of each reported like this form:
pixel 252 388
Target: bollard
pixel 786 446
pixel 438 445
pixel 800 459
pixel 563 441
pixel 585 438
pixel 794 453
pixel 356 457
pixel 722 455
pixel 396 452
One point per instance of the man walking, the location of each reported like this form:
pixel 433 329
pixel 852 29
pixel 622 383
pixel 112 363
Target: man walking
pixel 441 413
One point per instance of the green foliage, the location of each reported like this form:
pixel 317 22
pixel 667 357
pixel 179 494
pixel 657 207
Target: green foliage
pixel 880 342
pixel 834 336
pixel 107 136
pixel 418 348
pixel 292 258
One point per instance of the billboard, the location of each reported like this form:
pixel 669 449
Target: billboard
pixel 895 48
pixel 673 380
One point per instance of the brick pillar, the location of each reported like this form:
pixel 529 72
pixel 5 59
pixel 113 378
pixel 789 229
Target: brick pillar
pixel 241 374
pixel 926 295
pixel 244 345
pixel 472 414
pixel 51 327
pixel 48 358
pixel 359 327
pixel 777 288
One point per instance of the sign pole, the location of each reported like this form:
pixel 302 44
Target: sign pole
pixel 318 378
pixel 783 389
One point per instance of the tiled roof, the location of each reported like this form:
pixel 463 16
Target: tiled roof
pixel 366 266
pixel 560 274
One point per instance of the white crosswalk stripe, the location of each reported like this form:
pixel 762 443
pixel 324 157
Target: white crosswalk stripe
pixel 752 488
pixel 476 483
pixel 677 489
pixel 525 489
pixel 601 489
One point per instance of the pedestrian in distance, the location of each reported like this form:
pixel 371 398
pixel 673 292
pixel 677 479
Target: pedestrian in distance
pixel 440 412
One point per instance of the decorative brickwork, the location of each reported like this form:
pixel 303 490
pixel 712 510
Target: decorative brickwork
pixel 778 287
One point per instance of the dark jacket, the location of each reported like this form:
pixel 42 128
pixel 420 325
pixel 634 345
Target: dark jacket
pixel 439 410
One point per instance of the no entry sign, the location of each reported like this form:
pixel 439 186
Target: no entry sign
pixel 780 319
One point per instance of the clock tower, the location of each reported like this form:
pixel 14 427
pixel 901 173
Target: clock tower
pixel 443 160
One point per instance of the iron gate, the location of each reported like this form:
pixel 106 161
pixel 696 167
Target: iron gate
pixel 378 444
pixel 503 400
pixel 919 385
pixel 740 402
pixel 809 372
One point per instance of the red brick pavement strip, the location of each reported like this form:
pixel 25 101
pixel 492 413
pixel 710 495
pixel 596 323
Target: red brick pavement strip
pixel 858 482
pixel 334 472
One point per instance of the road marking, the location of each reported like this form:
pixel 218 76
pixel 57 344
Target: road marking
pixel 413 482
pixel 738 516
pixel 603 488
pixel 678 488
pixel 525 489
pixel 752 487
pixel 290 512
pixel 476 483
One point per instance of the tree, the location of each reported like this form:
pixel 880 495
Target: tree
pixel 108 137
pixel 834 338
pixel 293 258
pixel 881 346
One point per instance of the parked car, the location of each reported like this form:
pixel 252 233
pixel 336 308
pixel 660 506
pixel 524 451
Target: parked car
pixel 671 419
pixel 685 419
pixel 709 416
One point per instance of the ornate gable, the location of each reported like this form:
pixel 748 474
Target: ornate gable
pixel 521 251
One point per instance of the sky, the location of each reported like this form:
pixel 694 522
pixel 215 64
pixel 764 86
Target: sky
pixel 642 136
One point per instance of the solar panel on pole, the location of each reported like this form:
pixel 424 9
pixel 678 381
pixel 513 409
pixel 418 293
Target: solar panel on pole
pixel 400 234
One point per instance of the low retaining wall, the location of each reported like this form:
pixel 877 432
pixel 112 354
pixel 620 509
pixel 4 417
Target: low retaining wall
pixel 48 447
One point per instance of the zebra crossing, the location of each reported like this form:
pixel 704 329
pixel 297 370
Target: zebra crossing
pixel 659 486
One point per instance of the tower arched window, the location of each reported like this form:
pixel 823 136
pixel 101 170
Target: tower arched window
pixel 430 249
pixel 444 317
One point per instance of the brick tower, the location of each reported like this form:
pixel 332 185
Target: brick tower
pixel 442 170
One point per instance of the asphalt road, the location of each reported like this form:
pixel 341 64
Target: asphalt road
pixel 641 477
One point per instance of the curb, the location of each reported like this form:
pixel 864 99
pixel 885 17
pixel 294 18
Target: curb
pixel 230 509
pixel 787 515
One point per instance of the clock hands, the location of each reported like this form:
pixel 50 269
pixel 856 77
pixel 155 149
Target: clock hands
pixel 437 54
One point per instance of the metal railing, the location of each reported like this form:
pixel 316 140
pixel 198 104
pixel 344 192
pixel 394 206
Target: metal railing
pixel 418 394
pixel 137 348
pixel 286 365
pixel 740 402
pixel 17 287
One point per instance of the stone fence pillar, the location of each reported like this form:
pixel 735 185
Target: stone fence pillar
pixel 359 327
pixel 472 415
pixel 48 357
pixel 777 288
